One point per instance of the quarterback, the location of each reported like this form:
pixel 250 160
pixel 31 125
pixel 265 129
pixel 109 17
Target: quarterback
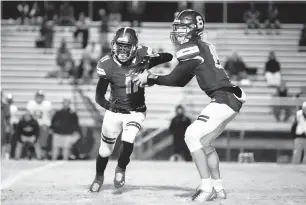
pixel 199 58
pixel 126 109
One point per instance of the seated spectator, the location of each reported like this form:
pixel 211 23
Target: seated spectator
pixel 46 36
pixel 66 130
pixel 272 21
pixel 88 63
pixel 23 10
pixel 35 15
pixel 64 60
pixel 66 15
pixel 49 14
pixel 27 134
pixel 272 70
pixel 103 31
pixel 252 18
pixel 114 8
pixel 135 9
pixel 298 131
pixel 282 91
pixel 235 67
pixel 82 26
pixel 302 41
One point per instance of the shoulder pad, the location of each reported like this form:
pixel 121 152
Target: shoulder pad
pixel 103 65
pixel 188 51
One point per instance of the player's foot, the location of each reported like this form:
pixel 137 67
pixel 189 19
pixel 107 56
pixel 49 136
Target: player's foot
pixel 96 184
pixel 220 194
pixel 200 195
pixel 119 179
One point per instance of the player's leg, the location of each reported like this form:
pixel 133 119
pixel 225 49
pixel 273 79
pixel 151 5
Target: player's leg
pixel 18 150
pixel 56 145
pixel 132 125
pixel 111 128
pixel 297 153
pixel 304 149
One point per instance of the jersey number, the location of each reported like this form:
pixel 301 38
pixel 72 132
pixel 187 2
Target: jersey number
pixel 215 56
pixel 200 22
pixel 38 114
pixel 130 86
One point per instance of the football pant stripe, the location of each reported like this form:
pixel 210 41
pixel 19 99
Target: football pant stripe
pixel 204 120
pixel 108 140
pixel 133 123
pixel 204 116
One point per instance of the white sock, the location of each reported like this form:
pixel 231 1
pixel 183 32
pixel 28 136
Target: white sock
pixel 217 184
pixel 206 185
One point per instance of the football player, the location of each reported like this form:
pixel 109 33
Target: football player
pixel 199 58
pixel 126 109
pixel 41 110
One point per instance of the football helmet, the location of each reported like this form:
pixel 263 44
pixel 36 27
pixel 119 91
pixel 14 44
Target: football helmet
pixel 124 44
pixel 187 25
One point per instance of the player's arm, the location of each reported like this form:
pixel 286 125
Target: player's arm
pixel 159 58
pixel 37 131
pixel 100 93
pixel 179 77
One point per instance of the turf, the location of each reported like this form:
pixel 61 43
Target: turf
pixel 152 183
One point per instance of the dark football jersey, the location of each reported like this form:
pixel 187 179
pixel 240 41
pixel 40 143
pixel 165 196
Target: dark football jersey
pixel 209 73
pixel 123 91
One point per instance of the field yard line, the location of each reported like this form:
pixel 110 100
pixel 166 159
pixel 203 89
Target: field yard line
pixel 7 183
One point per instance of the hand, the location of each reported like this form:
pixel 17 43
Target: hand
pixel 142 78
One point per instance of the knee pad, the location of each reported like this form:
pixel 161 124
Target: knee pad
pixel 129 134
pixel 208 149
pixel 192 140
pixel 105 150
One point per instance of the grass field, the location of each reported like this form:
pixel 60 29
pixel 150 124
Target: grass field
pixel 148 183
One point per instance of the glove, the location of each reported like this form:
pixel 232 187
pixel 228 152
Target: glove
pixel 142 65
pixel 113 107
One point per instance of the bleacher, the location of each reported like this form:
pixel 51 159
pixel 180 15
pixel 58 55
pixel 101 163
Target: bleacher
pixel 24 67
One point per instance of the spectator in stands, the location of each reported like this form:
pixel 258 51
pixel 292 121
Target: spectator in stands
pixel 66 15
pixel 252 18
pixel 41 110
pixel 272 72
pixel 23 9
pixel 135 10
pixel 89 60
pixel 114 8
pixel 35 14
pixel 235 67
pixel 272 21
pixel 27 134
pixel 49 14
pixel 103 31
pixel 282 91
pixel 82 26
pixel 298 131
pixel 14 119
pixel 66 130
pixel 178 127
pixel 47 33
pixel 5 128
pixel 302 93
pixel 302 41
pixel 64 61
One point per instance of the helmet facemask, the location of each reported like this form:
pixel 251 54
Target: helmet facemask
pixel 181 33
pixel 123 51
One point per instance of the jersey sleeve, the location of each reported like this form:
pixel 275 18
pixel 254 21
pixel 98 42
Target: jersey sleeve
pixel 189 52
pixel 179 77
pixel 102 67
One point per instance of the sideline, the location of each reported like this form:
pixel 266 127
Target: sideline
pixel 10 181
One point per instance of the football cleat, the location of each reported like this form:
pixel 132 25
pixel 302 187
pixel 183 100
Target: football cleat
pixel 200 196
pixel 220 194
pixel 96 184
pixel 119 179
